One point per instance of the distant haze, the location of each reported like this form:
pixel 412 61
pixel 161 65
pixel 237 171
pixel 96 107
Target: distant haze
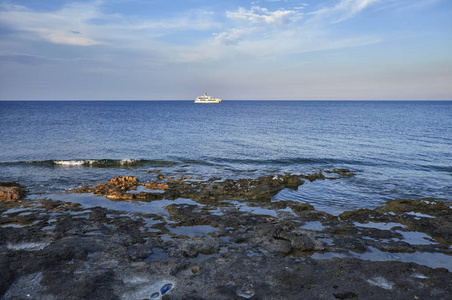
pixel 235 50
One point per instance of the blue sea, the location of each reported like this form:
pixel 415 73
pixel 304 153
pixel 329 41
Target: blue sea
pixel 396 149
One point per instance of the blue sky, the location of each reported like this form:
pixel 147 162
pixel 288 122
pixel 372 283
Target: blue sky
pixel 263 49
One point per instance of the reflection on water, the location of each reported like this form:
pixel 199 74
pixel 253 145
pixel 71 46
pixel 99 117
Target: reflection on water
pixel 89 200
pixel 381 226
pixel 433 260
pixel 314 225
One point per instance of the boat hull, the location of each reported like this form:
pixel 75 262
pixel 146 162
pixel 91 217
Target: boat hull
pixel 209 101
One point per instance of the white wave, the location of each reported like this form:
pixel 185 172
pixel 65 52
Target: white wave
pixel 69 162
pixel 89 162
pixel 127 161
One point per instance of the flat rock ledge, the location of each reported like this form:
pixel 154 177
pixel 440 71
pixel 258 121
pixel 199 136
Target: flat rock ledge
pixel 215 248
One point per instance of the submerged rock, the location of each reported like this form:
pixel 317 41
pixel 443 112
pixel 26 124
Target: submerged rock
pixel 341 172
pixel 424 205
pixel 314 176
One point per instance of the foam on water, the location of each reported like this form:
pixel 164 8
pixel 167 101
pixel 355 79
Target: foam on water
pixel 90 162
pixel 69 162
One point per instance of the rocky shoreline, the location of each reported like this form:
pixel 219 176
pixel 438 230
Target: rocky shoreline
pixel 220 239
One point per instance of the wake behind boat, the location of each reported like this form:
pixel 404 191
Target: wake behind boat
pixel 207 99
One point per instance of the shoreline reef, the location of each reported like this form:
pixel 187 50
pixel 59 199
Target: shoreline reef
pixel 220 239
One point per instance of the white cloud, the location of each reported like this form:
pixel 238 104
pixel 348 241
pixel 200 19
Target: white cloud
pixel 262 32
pixel 58 27
pixel 190 20
pixel 404 5
pixel 245 32
pixel 344 10
pixel 65 37
pixel 85 24
pixel 257 15
pixel 230 37
pixel 352 7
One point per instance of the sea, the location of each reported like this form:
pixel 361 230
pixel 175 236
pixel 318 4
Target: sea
pixel 396 149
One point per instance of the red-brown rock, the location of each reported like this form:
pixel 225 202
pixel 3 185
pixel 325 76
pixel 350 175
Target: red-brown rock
pixel 10 192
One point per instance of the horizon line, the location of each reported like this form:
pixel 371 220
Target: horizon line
pixel 182 100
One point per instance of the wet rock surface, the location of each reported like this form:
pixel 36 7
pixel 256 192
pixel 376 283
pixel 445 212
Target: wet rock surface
pixel 260 189
pixel 10 191
pixel 233 242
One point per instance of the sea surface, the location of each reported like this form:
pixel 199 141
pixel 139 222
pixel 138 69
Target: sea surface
pixel 395 149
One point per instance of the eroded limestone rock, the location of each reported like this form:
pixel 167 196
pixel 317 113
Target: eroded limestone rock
pixel 10 191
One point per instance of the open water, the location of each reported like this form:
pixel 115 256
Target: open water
pixel 396 149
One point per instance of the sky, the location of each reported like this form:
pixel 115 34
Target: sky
pixel 235 49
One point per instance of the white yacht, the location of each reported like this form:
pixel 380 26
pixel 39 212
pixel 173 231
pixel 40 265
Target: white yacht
pixel 207 99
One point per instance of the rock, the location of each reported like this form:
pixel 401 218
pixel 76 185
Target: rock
pixel 260 192
pixel 305 241
pixel 211 191
pixel 425 206
pixel 348 295
pixel 276 246
pixel 115 189
pixel 314 176
pixel 342 172
pixel 214 179
pixel 293 181
pixel 51 250
pixel 155 186
pixel 294 205
pixel 190 248
pixel 301 207
pixel 10 191
pixel 361 215
pixel 126 182
pixel 351 243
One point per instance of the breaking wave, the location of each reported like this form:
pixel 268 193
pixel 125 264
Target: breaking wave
pixel 99 163
pixel 218 162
